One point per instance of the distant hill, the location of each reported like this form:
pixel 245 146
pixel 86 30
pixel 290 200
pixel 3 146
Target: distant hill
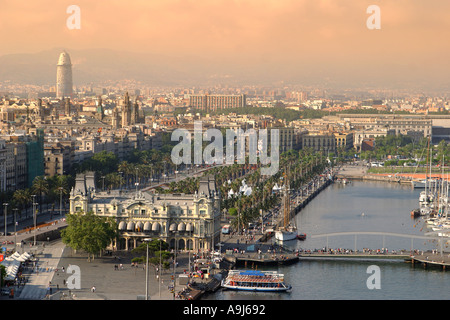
pixel 98 65
pixel 102 64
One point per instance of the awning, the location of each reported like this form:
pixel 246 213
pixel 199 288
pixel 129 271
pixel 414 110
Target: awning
pixel 181 226
pixel 139 226
pixel 189 227
pixel 130 226
pixel 173 227
pixel 122 225
pixel 156 226
pixel 147 226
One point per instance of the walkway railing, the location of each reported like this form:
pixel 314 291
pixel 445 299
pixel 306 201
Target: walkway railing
pixel 440 239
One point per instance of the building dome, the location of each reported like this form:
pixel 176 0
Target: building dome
pixel 64 59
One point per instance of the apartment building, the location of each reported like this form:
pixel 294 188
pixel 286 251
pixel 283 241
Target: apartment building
pixel 58 157
pixel 324 142
pixel 216 102
pixel 412 125
pixel 21 160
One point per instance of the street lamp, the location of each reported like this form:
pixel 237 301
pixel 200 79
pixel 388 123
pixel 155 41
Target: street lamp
pixel 146 240
pixel 60 200
pixel 121 181
pixel 15 229
pixel 160 267
pixel 34 216
pixel 5 211
pixel 136 182
pixel 175 263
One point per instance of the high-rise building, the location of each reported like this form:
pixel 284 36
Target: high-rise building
pixel 64 86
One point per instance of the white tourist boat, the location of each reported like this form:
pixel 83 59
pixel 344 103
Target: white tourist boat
pixel 254 280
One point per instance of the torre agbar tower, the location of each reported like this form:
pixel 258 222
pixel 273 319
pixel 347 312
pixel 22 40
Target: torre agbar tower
pixel 64 87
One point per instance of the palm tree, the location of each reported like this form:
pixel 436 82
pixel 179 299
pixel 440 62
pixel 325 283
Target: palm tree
pixel 126 168
pixel 40 187
pixel 114 180
pixel 22 198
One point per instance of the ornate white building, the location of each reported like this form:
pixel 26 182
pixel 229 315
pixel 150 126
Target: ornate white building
pixel 184 221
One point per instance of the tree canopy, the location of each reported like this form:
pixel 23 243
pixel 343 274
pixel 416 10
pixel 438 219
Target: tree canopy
pixel 155 254
pixel 89 232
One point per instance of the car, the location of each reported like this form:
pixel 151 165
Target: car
pixel 4 291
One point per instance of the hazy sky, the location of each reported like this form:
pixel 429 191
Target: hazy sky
pixel 317 36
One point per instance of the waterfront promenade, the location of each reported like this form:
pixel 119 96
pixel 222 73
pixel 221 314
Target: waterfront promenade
pixel 359 171
pixel 47 277
pixel 126 282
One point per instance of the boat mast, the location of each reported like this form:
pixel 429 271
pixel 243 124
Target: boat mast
pixel 287 201
pixel 426 172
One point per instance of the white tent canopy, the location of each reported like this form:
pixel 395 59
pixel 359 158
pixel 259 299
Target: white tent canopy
pixel 245 189
pixel 12 264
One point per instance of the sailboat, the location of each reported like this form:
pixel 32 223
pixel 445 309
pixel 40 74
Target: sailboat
pixel 288 231
pixel 427 197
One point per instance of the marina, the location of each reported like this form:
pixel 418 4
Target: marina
pixel 342 243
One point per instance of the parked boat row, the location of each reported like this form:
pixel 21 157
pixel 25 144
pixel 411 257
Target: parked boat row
pixel 434 206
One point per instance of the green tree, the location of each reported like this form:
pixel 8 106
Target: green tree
pixel 2 275
pixel 154 253
pixel 89 232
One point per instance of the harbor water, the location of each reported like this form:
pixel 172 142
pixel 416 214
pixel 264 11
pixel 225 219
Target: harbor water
pixel 359 206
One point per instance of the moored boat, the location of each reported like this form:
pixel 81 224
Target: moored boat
pixel 415 213
pixel 301 236
pixel 286 234
pixel 254 280
pixel 418 183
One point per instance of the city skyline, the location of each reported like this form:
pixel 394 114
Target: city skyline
pixel 307 42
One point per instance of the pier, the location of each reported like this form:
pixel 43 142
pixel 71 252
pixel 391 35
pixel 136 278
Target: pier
pixel 252 259
pixel 304 196
pixel 430 259
pixel 239 252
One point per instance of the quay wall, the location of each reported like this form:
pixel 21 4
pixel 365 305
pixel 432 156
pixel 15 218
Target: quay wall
pixel 375 177
pixel 323 184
